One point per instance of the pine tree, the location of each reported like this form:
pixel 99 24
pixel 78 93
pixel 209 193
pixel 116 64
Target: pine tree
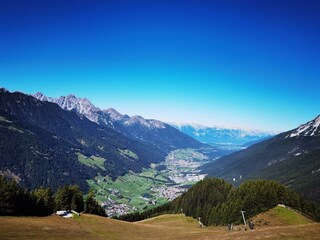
pixel 69 197
pixel 10 193
pixel 44 202
pixel 92 206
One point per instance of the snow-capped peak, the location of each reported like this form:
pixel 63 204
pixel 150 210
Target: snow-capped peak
pixel 242 130
pixel 311 128
pixel 218 134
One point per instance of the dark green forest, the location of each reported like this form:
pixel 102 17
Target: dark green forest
pixel 16 201
pixel 218 202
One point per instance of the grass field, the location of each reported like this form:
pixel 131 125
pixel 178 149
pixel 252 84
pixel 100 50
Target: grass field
pixel 188 153
pixel 92 161
pixel 128 153
pixel 164 227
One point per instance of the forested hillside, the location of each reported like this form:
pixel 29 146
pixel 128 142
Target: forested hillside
pixel 302 173
pixel 218 202
pixel 44 145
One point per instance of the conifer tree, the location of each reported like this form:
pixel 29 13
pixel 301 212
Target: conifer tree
pixel 92 206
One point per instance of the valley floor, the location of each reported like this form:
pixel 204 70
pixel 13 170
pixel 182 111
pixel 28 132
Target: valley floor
pixel 152 187
pixel 164 227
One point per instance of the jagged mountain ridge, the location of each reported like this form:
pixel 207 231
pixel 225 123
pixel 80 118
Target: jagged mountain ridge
pixel 257 159
pixel 221 135
pixel 40 145
pixel 157 133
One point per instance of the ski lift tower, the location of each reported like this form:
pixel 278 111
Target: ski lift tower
pixel 244 220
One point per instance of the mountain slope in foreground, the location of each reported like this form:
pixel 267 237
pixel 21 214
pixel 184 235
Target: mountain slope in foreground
pixel 162 227
pixel 292 157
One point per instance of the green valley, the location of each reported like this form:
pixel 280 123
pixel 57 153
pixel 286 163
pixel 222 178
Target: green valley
pixel 153 186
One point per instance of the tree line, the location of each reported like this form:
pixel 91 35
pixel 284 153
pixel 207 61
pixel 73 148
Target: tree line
pixel 17 201
pixel 218 202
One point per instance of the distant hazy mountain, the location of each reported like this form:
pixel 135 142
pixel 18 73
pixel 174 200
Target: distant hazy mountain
pixel 291 157
pixel 159 134
pixel 221 135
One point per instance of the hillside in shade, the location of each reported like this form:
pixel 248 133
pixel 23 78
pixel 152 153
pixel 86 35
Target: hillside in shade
pixel 43 145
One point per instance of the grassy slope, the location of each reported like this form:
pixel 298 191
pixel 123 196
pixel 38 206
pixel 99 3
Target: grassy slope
pixel 93 161
pixel 162 227
pixel 281 216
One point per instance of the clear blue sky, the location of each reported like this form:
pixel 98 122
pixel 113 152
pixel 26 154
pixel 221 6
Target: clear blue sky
pixel 253 64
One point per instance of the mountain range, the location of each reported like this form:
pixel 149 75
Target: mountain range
pixel 43 144
pixel 292 158
pixel 157 133
pixel 222 135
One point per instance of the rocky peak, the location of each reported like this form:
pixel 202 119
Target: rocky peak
pixel 84 107
pixel 148 123
pixel 40 96
pixel 81 105
pixel 157 124
pixel 114 114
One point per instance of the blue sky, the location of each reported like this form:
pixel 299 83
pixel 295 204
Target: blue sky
pixel 252 64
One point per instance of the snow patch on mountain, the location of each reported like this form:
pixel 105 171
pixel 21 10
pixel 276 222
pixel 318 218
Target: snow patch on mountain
pixel 244 131
pixel 311 128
